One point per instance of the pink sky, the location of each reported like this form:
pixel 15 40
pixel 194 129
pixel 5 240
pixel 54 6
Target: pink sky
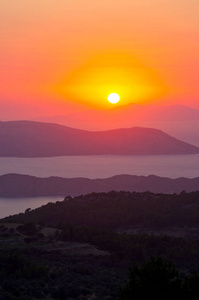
pixel 49 54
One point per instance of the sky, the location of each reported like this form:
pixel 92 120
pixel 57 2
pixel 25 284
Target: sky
pixel 67 56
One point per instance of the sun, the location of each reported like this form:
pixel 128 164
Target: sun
pixel 113 98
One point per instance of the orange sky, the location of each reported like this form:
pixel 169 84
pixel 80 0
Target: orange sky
pixel 58 57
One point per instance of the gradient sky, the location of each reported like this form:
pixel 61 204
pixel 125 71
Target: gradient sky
pixel 62 56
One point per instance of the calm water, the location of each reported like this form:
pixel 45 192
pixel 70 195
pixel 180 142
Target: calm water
pixel 11 206
pixel 172 166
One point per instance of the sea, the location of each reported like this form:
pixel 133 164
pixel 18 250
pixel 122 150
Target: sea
pixel 103 166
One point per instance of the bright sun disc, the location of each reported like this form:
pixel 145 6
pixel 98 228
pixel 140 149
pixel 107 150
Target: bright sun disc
pixel 113 98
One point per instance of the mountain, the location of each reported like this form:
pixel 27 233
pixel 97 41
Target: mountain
pixel 15 185
pixel 127 115
pixel 177 120
pixel 35 139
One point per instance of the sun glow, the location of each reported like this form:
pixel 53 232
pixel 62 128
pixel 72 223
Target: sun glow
pixel 113 98
pixel 93 81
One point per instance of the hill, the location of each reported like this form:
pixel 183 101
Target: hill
pixel 16 185
pixel 177 120
pixel 119 210
pixel 86 252
pixel 126 115
pixel 34 139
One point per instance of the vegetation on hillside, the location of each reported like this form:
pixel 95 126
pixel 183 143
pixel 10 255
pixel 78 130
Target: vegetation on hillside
pixel 116 210
pixel 86 253
pixel 157 279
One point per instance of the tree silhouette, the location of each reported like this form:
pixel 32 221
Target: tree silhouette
pixel 156 278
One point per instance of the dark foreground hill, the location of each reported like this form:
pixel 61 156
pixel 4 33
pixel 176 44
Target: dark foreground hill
pixel 34 139
pixel 88 252
pixel 116 210
pixel 16 185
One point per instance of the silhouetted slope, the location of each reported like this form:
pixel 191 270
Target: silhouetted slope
pixel 117 210
pixel 34 139
pixel 25 185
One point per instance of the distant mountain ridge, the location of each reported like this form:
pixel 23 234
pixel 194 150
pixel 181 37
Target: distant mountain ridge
pixel 126 115
pixel 179 121
pixel 35 139
pixel 16 185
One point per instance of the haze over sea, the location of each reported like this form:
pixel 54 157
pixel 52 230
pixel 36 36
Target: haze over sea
pixel 104 166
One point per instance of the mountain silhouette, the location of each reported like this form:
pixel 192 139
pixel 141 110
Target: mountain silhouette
pixel 16 185
pixel 35 139
pixel 177 120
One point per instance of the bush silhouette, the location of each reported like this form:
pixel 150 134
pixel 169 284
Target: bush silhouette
pixel 159 279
